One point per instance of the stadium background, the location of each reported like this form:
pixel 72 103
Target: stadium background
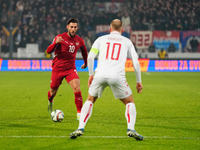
pixel 168 113
pixel 28 27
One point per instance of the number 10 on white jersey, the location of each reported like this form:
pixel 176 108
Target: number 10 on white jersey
pixel 113 50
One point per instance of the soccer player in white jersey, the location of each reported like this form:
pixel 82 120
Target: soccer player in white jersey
pixel 112 50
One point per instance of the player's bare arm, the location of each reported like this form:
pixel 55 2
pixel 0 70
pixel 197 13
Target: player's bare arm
pixel 84 55
pixel 83 66
pixel 139 87
pixel 91 77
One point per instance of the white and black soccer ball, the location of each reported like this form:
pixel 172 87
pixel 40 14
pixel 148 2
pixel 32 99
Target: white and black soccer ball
pixel 57 115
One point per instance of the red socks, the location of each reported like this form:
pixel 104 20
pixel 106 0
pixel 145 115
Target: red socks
pixel 50 98
pixel 78 101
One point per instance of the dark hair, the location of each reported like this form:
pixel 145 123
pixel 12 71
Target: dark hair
pixel 73 20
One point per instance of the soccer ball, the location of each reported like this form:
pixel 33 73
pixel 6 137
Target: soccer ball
pixel 57 115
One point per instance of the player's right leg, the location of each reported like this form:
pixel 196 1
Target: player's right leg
pixel 95 90
pixel 86 113
pixel 76 133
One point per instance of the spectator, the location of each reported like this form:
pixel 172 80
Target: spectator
pixel 151 25
pixel 179 25
pixel 45 43
pixel 143 54
pixel 162 54
pixel 171 25
pixel 185 25
pixel 144 24
pixel 152 48
pixel 126 19
pixel 171 48
pixel 194 44
pixel 19 7
pixel 88 42
pixel 144 15
pixel 18 37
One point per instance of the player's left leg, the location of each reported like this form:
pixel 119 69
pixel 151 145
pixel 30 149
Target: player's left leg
pixel 51 95
pixel 122 91
pixel 56 80
pixel 130 114
pixel 75 85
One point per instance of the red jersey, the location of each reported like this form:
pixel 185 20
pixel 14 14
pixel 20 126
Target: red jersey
pixel 65 51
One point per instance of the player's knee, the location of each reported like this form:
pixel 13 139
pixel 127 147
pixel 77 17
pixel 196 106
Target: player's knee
pixel 76 89
pixel 91 98
pixel 128 100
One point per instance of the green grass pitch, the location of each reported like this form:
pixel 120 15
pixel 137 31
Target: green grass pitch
pixel 168 114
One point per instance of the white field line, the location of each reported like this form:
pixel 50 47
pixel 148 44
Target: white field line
pixel 147 73
pixel 102 137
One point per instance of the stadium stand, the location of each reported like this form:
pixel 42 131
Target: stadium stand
pixel 39 21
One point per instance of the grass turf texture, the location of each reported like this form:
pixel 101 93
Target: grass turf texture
pixel 168 113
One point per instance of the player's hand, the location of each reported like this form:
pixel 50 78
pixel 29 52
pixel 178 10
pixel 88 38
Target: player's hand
pixel 59 39
pixel 90 80
pixel 139 87
pixel 83 66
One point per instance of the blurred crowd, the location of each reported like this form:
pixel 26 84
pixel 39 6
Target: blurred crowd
pixel 39 21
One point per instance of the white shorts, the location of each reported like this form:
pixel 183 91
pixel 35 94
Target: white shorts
pixel 119 87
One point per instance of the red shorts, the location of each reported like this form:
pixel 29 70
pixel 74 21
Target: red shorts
pixel 57 77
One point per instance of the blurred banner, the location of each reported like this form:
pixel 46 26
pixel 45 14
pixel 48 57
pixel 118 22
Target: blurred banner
pixel 0 63
pixel 26 65
pixel 145 64
pixel 113 7
pixel 174 65
pixel 163 39
pixel 141 39
pixel 186 38
pixel 105 29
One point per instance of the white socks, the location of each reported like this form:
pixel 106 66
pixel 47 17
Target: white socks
pixel 86 112
pixel 130 115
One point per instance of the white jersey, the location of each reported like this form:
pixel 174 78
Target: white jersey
pixel 113 50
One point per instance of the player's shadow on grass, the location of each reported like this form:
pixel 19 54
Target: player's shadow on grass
pixel 32 127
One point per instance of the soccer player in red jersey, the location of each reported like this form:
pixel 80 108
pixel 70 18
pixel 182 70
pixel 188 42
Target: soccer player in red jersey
pixel 65 47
